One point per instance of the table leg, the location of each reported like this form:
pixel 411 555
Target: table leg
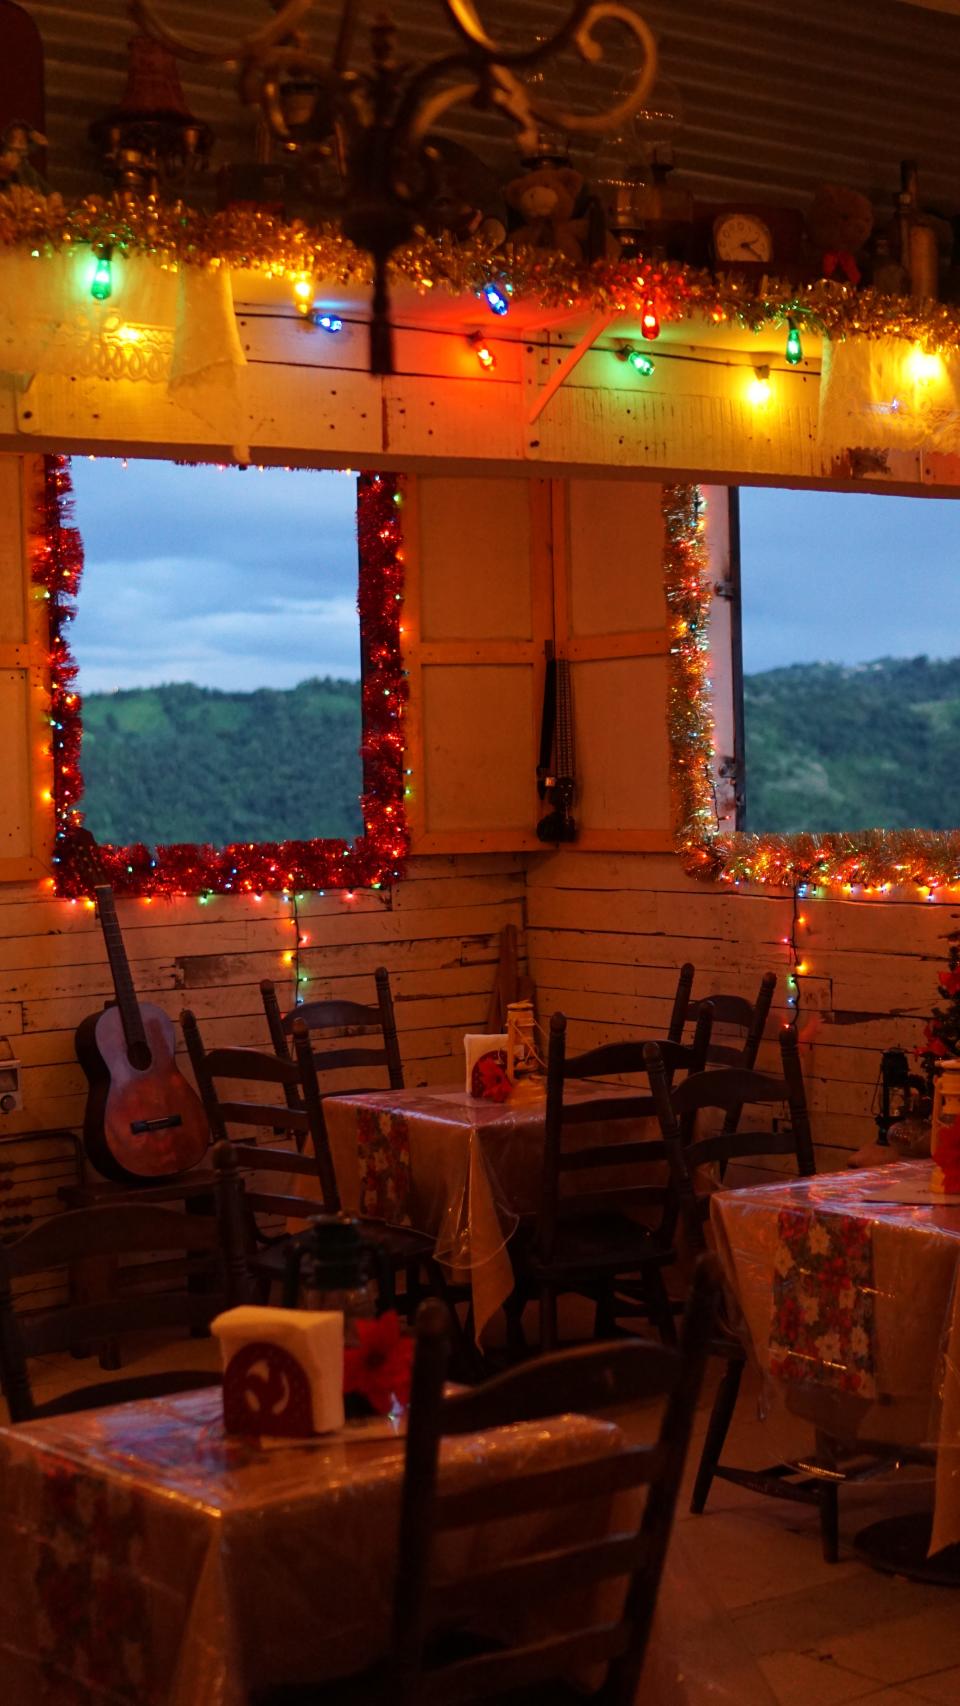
pixel 898 1546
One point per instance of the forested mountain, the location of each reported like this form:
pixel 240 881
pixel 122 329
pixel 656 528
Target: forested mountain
pixel 871 746
pixel 184 763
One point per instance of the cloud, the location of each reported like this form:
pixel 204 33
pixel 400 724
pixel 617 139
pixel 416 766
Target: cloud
pixel 213 580
pixel 847 577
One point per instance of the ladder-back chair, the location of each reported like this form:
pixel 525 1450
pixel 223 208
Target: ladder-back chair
pixel 349 1020
pixel 440 1654
pixel 586 1238
pixel 677 1109
pixel 108 1233
pixel 397 1249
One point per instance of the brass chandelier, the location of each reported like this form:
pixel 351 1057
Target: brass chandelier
pixel 373 126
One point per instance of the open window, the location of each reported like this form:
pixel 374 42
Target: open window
pixel 227 689
pixel 815 698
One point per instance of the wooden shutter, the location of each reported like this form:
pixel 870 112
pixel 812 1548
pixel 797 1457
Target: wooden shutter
pixel 26 813
pixel 611 622
pixel 478 614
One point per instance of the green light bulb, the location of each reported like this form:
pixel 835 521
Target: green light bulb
pixel 640 363
pixel 794 350
pixel 101 285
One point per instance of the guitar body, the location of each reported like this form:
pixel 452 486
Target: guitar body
pixel 141 1121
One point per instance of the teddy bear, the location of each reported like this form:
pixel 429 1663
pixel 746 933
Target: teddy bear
pixel 839 222
pixel 546 197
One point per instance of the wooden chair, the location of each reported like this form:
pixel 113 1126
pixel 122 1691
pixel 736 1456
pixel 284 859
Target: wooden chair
pixel 585 1241
pixel 437 1658
pixel 680 1011
pixel 106 1233
pixel 349 1019
pixel 397 1249
pixel 677 1109
pixel 750 1016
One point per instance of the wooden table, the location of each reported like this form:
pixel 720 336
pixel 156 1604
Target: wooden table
pixel 853 1310
pixel 462 1170
pixel 147 1558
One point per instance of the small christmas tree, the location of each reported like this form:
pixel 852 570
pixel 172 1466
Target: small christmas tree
pixel 941 1037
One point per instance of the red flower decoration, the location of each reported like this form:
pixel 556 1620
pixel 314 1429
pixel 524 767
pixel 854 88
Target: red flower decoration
pixel 949 981
pixel 379 1367
pixel 489 1080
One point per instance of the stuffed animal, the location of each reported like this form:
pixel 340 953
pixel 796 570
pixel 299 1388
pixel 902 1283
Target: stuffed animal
pixel 546 198
pixel 839 222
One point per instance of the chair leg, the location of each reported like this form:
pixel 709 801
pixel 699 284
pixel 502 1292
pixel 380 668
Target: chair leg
pixel 658 1305
pixel 513 1311
pixel 548 1318
pixel 605 1317
pixel 829 1503
pixel 720 1418
pixel 412 1291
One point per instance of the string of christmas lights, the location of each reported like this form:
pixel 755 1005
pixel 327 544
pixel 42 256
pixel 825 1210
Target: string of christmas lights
pixel 375 857
pixel 660 292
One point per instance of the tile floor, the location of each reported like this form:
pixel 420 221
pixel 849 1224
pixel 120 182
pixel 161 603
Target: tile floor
pixel 797 1631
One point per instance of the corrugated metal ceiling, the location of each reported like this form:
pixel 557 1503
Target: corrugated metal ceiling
pixel 775 97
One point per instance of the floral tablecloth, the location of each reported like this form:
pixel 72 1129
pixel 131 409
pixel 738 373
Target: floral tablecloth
pixel 852 1307
pixel 464 1171
pixel 146 1559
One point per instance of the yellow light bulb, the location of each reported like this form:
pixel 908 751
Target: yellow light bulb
pixel 758 389
pixel 923 366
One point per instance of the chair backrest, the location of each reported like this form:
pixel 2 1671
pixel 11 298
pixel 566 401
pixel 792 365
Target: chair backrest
pixel 349 1019
pixel 749 1016
pixel 301 1114
pixel 612 1105
pixel 681 1003
pixel 109 1231
pixel 588 1379
pixel 729 1088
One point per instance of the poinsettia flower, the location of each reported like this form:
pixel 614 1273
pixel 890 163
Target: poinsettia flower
pixel 949 981
pixel 489 1080
pixel 378 1366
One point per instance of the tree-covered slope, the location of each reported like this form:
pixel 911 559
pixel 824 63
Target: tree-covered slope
pixel 184 763
pixel 872 746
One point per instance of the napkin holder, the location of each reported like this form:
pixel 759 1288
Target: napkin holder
pixel 282 1370
pixel 486 1062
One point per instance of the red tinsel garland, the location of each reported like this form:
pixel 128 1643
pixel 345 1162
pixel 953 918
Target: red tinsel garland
pixel 248 867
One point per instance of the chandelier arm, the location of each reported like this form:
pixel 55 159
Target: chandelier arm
pixel 418 112
pixel 280 27
pixel 462 17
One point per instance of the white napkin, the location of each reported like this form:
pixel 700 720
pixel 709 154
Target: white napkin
pixel 266 1392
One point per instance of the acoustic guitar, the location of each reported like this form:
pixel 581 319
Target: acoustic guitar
pixel 142 1121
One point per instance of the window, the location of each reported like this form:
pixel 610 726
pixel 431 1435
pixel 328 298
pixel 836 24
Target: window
pixel 850 632
pixel 228 688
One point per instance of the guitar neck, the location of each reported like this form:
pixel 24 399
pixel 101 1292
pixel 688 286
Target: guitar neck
pixel 119 969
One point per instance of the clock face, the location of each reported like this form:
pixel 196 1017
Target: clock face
pixel 742 237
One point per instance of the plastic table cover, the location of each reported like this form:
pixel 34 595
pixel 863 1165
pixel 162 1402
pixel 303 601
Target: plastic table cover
pixel 146 1557
pixel 462 1170
pixel 849 1302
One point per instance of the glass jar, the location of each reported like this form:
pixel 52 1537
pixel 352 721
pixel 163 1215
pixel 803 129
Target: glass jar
pixel 331 1266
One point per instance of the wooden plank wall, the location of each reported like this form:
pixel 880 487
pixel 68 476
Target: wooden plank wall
pixel 606 934
pixel 437 932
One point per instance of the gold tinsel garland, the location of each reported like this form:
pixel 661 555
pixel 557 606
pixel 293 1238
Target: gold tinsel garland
pixel 249 239
pixel 871 860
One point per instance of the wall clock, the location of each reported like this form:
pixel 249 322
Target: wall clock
pixel 742 238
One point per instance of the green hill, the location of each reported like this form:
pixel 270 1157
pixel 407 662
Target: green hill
pixel 871 746
pixel 184 763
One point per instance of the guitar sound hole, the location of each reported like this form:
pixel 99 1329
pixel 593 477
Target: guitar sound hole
pixel 139 1056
